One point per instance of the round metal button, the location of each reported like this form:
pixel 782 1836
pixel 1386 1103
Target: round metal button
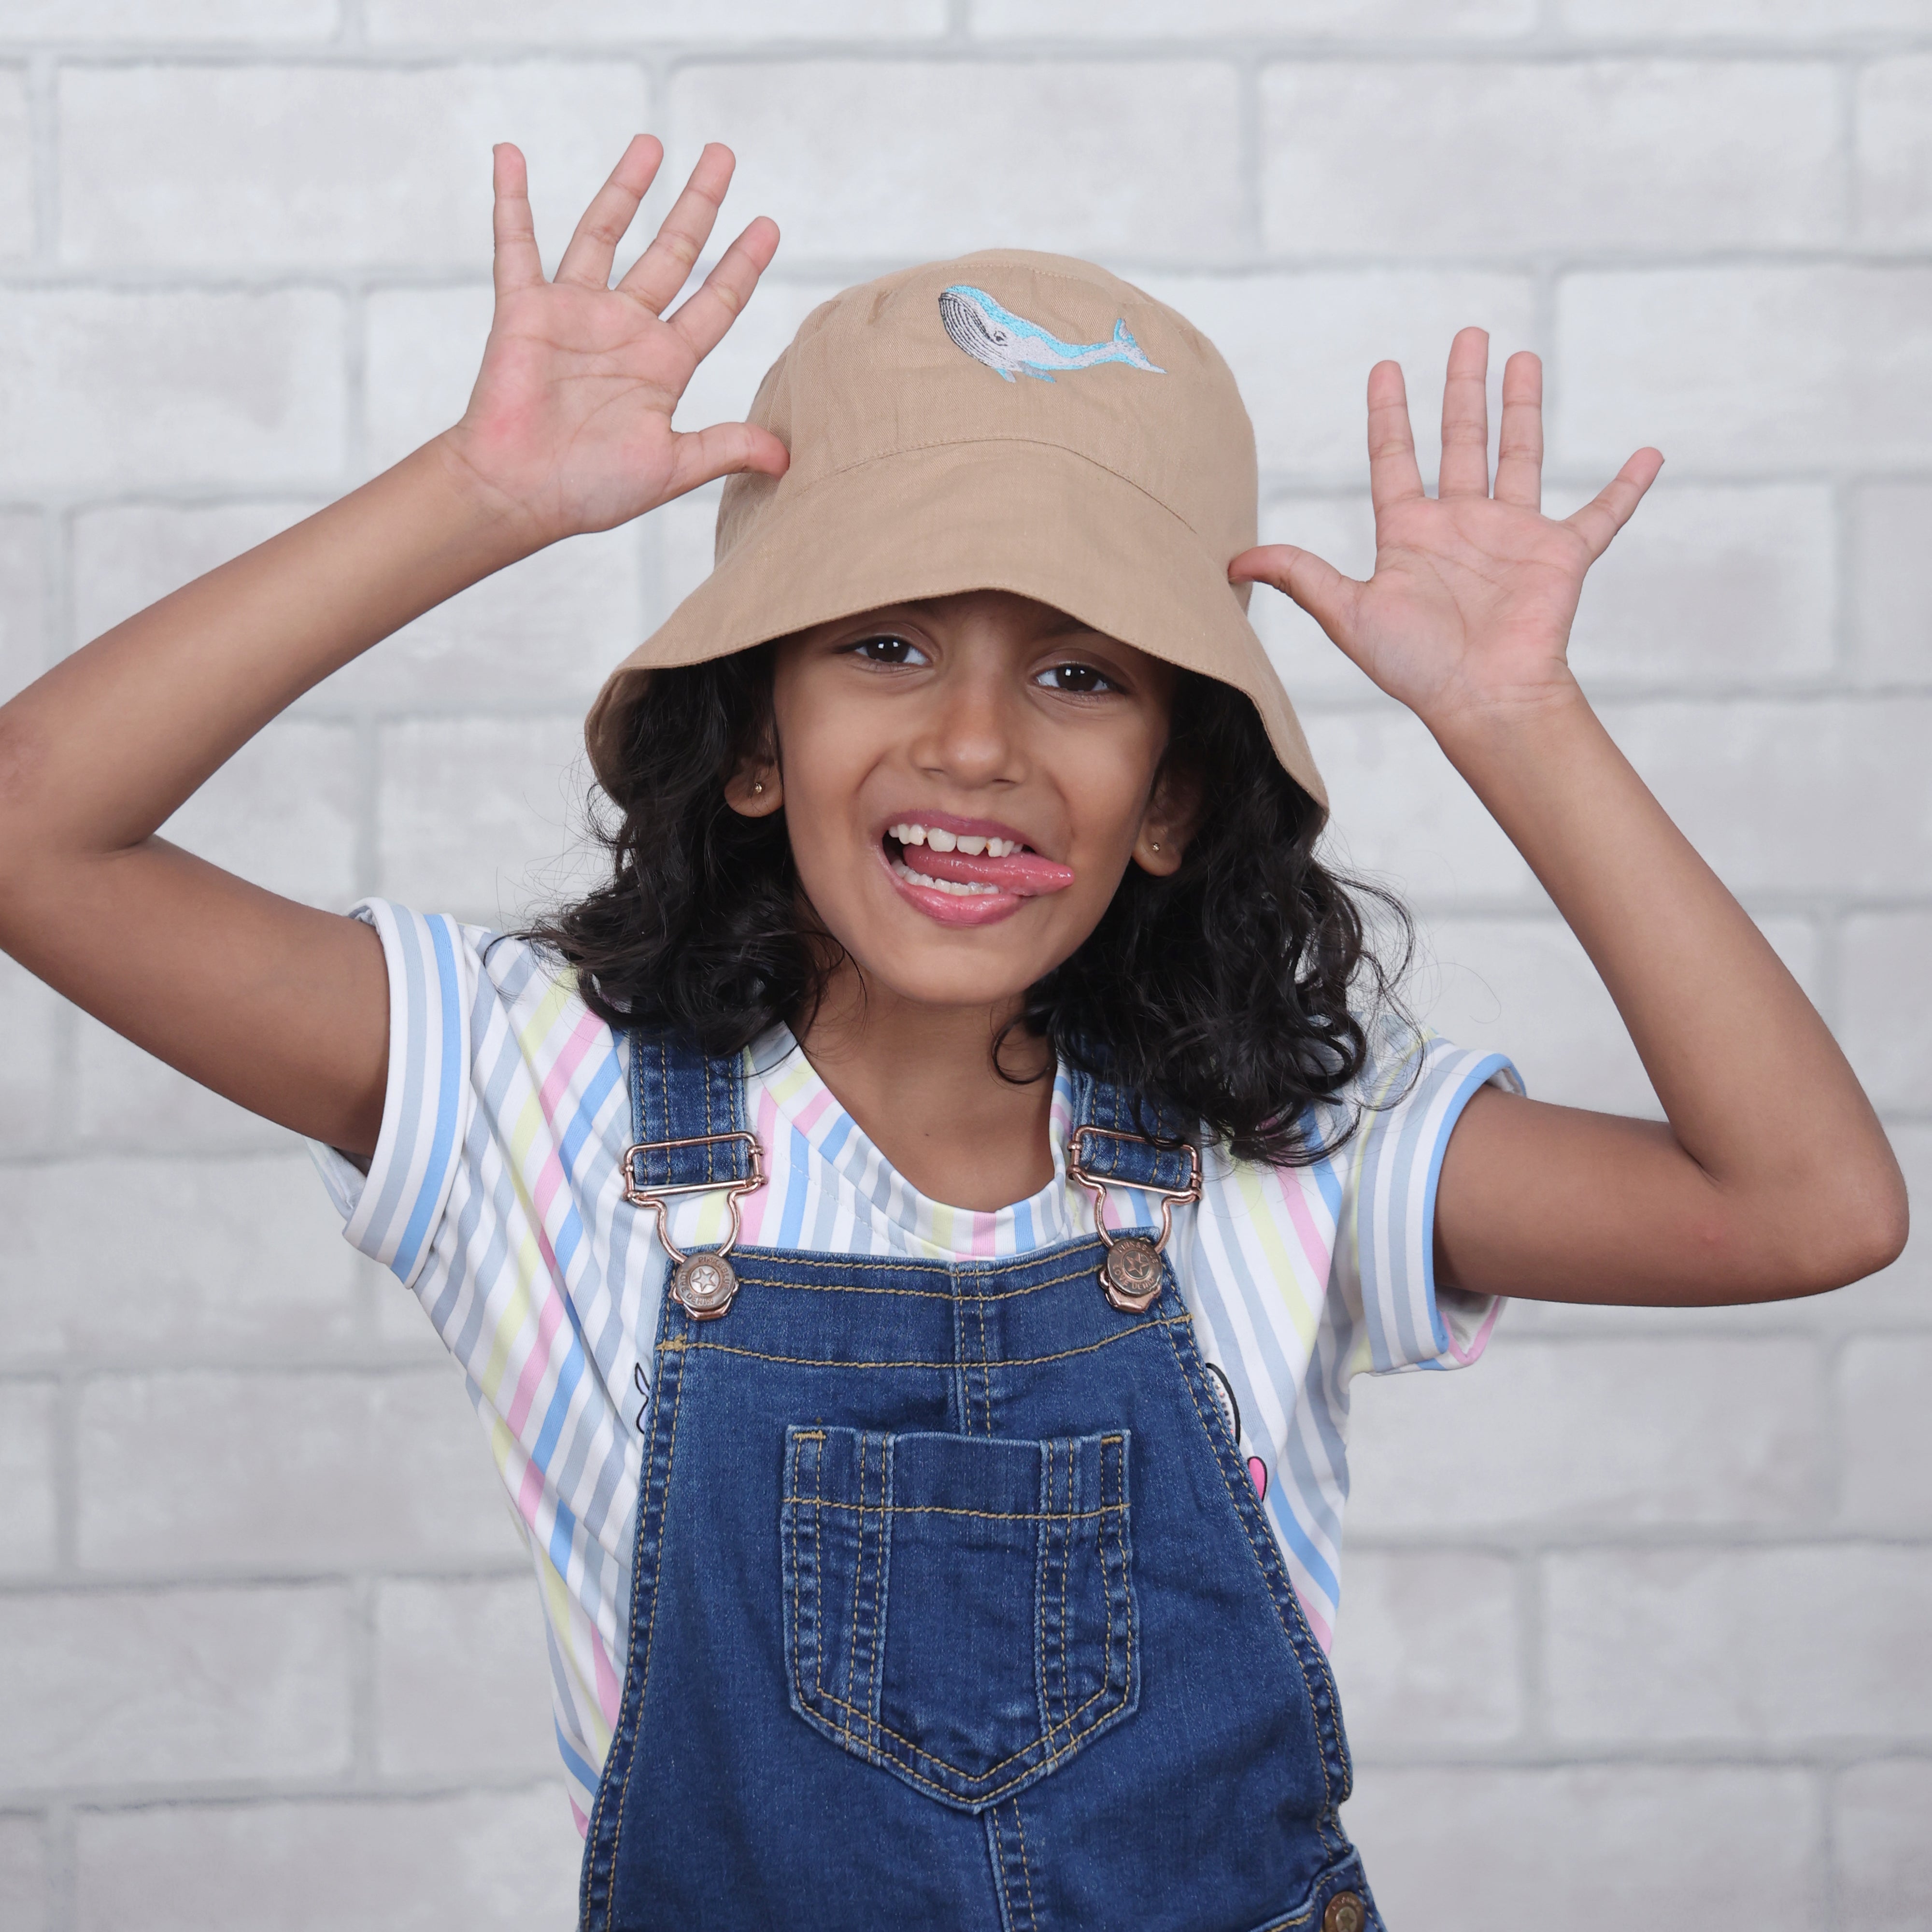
pixel 704 1284
pixel 1131 1274
pixel 1346 1913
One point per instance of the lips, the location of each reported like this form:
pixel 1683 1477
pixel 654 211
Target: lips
pixel 921 855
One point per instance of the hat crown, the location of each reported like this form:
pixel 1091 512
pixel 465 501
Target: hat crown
pixel 1008 345
pixel 1006 420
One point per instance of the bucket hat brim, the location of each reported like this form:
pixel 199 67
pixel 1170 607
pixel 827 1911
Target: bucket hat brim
pixel 923 523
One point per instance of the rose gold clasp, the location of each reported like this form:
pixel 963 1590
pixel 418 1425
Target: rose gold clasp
pixel 656 1197
pixel 1170 1198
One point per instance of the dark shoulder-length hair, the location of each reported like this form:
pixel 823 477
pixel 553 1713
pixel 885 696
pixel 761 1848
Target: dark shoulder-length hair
pixel 1240 991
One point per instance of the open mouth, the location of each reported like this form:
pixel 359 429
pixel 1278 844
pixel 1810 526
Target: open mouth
pixel 976 864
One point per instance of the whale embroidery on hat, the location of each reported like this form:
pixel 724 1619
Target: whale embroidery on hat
pixel 1008 343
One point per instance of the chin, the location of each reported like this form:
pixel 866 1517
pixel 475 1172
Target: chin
pixel 960 970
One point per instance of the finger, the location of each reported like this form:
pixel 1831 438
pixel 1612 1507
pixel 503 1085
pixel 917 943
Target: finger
pixel 517 263
pixel 663 269
pixel 612 210
pixel 1394 477
pixel 1606 513
pixel 723 450
pixel 1318 587
pixel 702 320
pixel 1519 449
pixel 1465 417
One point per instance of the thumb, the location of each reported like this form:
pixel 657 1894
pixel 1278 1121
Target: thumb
pixel 723 450
pixel 1319 588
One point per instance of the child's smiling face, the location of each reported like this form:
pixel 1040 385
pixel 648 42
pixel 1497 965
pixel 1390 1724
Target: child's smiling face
pixel 1030 746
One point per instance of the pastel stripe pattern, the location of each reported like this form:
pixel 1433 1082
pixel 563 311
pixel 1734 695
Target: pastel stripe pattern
pixel 495 1195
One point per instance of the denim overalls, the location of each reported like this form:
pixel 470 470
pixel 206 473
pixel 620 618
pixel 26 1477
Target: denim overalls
pixel 952 1604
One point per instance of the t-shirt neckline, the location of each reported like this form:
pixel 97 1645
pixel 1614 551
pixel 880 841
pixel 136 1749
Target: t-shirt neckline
pixel 779 1070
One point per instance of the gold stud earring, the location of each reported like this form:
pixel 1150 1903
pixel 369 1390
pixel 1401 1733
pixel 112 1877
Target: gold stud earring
pixel 1156 846
pixel 757 787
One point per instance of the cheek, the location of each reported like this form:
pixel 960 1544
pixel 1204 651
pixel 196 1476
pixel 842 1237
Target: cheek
pixel 824 770
pixel 1108 795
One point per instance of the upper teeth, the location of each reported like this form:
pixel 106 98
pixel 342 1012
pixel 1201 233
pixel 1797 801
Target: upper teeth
pixel 941 840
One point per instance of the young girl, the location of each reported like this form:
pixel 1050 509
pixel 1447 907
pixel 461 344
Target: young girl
pixel 910 1233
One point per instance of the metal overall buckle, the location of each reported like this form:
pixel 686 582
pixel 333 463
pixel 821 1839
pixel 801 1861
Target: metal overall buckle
pixel 703 1282
pixel 1131 1272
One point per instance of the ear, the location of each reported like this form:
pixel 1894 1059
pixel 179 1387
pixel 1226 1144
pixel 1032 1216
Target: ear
pixel 754 790
pixel 1173 811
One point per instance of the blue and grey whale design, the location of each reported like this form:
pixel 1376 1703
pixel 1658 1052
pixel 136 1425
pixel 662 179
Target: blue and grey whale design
pixel 1009 344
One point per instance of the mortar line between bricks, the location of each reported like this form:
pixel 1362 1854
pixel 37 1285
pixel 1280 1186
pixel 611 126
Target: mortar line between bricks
pixel 1526 1584
pixel 1816 1755
pixel 241 1793
pixel 1843 551
pixel 942 48
pixel 147 1366
pixel 119 275
pixel 1851 193
pixel 426 1358
pixel 354 381
pixel 367 752
pixel 1615 698
pixel 1251 156
pixel 62 1865
pixel 341 1578
pixel 1277 486
pixel 43 146
pixel 1610 698
pixel 1830 1373
pixel 1825 1783
pixel 54 622
pixel 66 1423
pixel 1589 1537
pixel 1544 43
pixel 244 1793
pixel 362 1645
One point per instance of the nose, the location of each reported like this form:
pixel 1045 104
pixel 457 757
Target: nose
pixel 970 732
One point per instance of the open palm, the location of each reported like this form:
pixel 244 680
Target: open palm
pixel 1470 607
pixel 569 425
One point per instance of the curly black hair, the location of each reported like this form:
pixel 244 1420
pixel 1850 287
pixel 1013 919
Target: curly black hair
pixel 1239 991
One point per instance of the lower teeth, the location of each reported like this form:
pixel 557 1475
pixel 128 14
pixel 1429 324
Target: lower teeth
pixel 959 888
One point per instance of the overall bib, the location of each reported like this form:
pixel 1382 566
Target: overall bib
pixel 953 1605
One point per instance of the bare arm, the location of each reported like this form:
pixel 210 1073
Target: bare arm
pixel 281 1007
pixel 1772 1177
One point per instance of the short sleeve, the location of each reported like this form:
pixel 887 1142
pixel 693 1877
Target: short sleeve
pixel 1384 1262
pixel 390 1212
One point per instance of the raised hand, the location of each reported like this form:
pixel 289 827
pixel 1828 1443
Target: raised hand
pixel 1468 612
pixel 569 426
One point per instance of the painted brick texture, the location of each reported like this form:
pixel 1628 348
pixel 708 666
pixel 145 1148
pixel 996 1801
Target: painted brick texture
pixel 1635 1616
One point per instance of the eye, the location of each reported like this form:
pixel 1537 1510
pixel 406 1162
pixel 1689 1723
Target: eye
pixel 890 651
pixel 1081 680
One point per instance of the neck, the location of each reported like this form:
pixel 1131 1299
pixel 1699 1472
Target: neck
pixel 920 1081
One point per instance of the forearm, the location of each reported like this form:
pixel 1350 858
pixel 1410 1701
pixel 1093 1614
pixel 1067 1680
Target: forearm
pixel 103 749
pixel 1756 1090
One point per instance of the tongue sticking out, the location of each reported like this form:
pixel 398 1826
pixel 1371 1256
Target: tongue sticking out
pixel 1026 875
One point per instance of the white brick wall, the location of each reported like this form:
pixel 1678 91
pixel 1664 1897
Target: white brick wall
pixel 1636 1621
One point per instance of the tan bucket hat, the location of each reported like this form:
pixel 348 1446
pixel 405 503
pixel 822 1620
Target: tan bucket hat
pixel 1009 421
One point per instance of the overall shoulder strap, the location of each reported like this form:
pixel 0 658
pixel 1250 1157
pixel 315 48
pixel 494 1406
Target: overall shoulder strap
pixel 1131 1143
pixel 687 1115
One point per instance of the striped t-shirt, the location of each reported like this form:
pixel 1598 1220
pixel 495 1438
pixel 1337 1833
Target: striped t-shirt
pixel 495 1195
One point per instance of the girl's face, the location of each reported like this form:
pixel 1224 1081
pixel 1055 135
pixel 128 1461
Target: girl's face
pixel 965 782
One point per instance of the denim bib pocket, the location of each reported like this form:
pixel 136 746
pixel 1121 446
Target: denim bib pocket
pixel 958 1610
